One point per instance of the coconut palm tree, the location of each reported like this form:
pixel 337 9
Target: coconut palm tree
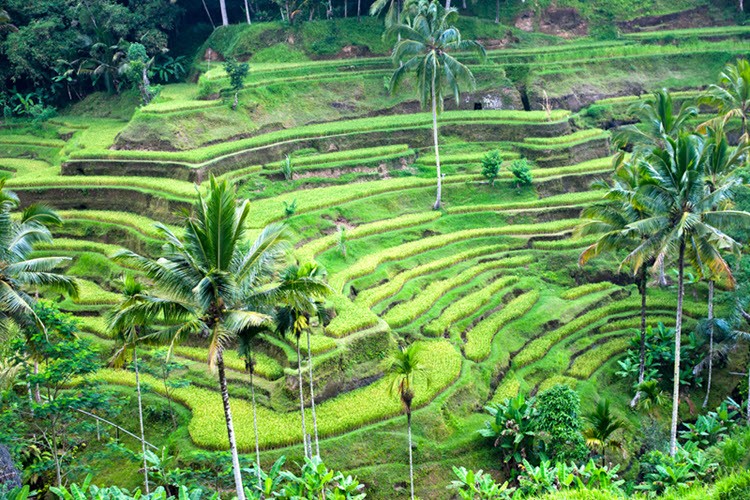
pixel 406 365
pixel 392 8
pixel 610 220
pixel 128 335
pixel 720 165
pixel 731 96
pixel 201 279
pixel 223 8
pixel 658 119
pixel 19 272
pixel 685 226
pixel 301 292
pixel 424 47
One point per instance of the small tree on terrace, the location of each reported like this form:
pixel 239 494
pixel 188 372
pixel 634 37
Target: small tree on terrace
pixel 237 72
pixel 491 166
pixel 424 48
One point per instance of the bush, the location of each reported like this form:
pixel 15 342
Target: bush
pixel 478 486
pixel 513 428
pixel 559 419
pixel 521 172
pixel 491 166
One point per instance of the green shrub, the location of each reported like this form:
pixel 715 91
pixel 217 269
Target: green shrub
pixel 559 418
pixel 491 166
pixel 521 172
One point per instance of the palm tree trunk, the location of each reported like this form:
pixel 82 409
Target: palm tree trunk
pixel 302 400
pixel 748 394
pixel 140 417
pixel 447 4
pixel 247 13
pixel 437 148
pixel 710 340
pixel 224 18
pixel 312 396
pixel 677 345
pixel 208 13
pixel 411 461
pixel 642 355
pixel 346 9
pixel 497 12
pixel 359 10
pixel 230 428
pixel 255 420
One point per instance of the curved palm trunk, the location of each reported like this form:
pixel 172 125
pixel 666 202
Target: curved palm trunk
pixel 302 400
pixel 642 354
pixel 710 340
pixel 437 148
pixel 255 421
pixel 224 18
pixel 247 13
pixel 230 428
pixel 677 345
pixel 411 461
pixel 208 13
pixel 140 417
pixel 312 396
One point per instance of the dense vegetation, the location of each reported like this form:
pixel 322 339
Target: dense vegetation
pixel 239 261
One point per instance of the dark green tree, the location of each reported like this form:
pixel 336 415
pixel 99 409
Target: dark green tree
pixel 559 423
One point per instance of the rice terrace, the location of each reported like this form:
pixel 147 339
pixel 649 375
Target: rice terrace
pixel 345 249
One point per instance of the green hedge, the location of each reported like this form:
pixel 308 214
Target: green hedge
pixel 586 364
pixel 479 338
pixel 406 312
pixel 580 291
pixel 467 305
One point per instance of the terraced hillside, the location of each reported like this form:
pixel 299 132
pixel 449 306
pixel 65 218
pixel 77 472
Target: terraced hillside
pixel 489 285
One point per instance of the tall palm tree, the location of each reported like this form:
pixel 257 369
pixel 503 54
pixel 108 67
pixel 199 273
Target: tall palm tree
pixel 300 292
pixel 658 119
pixel 223 8
pixel 732 94
pixel 720 164
pixel 406 365
pixel 128 337
pixel 685 226
pixel 201 279
pixel 610 220
pixel 424 48
pixel 19 272
pixel 246 339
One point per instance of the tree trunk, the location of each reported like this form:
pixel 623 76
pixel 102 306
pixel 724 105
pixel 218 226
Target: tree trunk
pixel 37 394
pixel 677 345
pixel 224 18
pixel 438 198
pixel 411 461
pixel 140 417
pixel 312 396
pixel 346 9
pixel 463 4
pixel 642 355
pixel 58 471
pixel 447 4
pixel 748 394
pixel 208 13
pixel 710 340
pixel 302 400
pixel 359 10
pixel 497 12
pixel 255 421
pixel 230 428
pixel 247 13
